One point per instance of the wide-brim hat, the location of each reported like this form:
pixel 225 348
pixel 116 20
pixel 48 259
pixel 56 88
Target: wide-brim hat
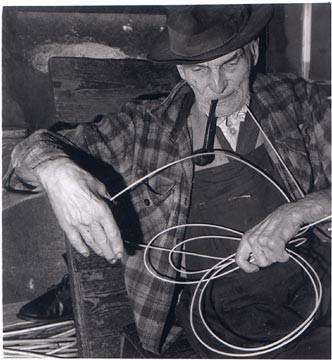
pixel 201 33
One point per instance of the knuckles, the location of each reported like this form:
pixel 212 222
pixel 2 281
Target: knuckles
pixel 115 234
pixel 251 239
pixel 273 243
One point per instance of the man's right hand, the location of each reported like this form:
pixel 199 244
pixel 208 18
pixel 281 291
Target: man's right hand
pixel 79 202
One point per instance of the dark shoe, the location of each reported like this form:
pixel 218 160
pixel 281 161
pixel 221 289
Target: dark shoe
pixel 54 305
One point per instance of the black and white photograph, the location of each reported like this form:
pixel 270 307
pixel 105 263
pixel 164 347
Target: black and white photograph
pixel 166 174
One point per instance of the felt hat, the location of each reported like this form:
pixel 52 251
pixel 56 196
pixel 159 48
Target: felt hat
pixel 201 33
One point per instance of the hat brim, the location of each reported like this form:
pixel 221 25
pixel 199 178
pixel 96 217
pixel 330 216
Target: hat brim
pixel 259 18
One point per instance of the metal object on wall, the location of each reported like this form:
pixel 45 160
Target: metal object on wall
pixel 306 40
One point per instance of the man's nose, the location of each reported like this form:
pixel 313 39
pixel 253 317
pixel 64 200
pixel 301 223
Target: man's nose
pixel 218 81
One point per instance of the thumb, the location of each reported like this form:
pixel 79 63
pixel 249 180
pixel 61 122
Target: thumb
pixel 103 192
pixel 242 257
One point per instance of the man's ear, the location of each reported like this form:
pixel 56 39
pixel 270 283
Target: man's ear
pixel 181 71
pixel 254 50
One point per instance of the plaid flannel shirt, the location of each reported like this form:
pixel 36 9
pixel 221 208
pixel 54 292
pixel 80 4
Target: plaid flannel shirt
pixel 146 135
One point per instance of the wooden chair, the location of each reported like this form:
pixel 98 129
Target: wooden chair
pixel 83 89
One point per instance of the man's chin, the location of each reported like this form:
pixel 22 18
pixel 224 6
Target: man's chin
pixel 225 108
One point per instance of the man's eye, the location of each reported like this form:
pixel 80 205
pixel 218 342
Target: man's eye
pixel 231 63
pixel 197 68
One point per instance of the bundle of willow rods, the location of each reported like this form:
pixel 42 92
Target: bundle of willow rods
pixel 40 340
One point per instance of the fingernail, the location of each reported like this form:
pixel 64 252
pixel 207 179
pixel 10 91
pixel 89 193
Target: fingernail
pixel 113 261
pixel 119 255
pixel 85 253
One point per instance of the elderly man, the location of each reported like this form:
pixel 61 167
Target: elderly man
pixel 215 49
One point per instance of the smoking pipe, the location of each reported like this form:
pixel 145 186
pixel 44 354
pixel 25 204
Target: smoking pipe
pixel 208 143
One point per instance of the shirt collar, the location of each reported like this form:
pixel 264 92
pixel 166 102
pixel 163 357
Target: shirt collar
pixel 238 116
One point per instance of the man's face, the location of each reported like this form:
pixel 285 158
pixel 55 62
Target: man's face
pixel 225 78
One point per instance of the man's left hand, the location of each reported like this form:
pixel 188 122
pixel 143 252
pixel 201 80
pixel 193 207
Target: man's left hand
pixel 267 240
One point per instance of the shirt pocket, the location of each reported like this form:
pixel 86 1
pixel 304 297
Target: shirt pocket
pixel 155 190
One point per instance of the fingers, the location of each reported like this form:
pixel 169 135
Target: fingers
pixel 101 190
pixel 260 257
pixel 90 225
pixel 101 242
pixel 284 257
pixel 108 231
pixel 103 235
pixel 264 250
pixel 267 246
pixel 76 241
pixel 88 237
pixel 266 242
pixel 79 202
pixel 242 257
pixel 113 235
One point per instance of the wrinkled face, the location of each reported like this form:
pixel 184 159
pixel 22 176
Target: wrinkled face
pixel 225 78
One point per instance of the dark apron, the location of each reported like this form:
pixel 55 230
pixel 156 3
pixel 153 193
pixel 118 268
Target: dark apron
pixel 245 309
pixel 231 195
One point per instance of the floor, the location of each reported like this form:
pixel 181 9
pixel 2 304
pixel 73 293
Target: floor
pixel 22 339
pixel 9 313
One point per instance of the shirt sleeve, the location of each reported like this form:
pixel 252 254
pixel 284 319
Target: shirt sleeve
pixel 109 140
pixel 318 135
pixel 314 120
pixel 321 134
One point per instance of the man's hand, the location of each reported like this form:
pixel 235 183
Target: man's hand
pixel 78 200
pixel 267 240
